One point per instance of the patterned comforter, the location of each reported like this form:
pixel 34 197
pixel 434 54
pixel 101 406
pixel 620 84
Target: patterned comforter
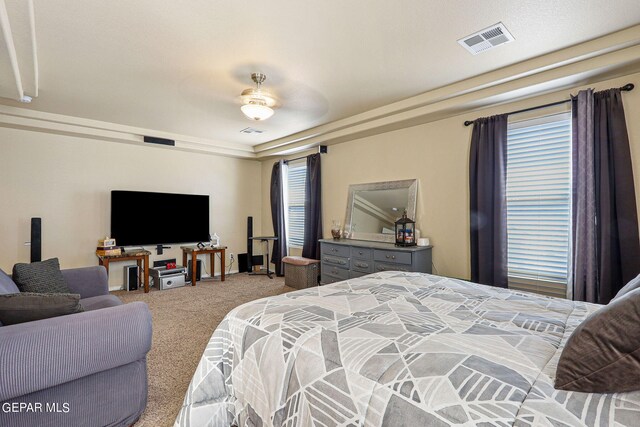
pixel 396 349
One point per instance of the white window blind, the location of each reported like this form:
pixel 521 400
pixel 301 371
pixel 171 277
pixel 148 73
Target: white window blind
pixel 297 172
pixel 539 204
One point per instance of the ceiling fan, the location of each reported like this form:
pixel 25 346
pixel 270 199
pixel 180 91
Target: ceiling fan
pixel 257 102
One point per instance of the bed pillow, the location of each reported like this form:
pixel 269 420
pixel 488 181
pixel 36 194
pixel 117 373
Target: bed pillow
pixel 633 284
pixel 27 307
pixel 40 277
pixel 603 353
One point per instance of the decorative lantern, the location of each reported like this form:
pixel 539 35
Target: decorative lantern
pixel 405 231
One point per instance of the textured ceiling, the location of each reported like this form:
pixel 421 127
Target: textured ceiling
pixel 179 66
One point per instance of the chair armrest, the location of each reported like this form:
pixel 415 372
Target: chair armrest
pixel 45 353
pixel 87 281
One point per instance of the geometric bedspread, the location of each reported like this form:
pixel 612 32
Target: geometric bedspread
pixel 396 349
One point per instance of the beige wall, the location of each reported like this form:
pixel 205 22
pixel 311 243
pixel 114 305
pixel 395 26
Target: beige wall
pixel 437 154
pixel 67 181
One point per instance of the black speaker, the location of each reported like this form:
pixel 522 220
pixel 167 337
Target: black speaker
pixel 36 239
pixel 249 243
pixel 243 263
pixel 131 277
pixel 198 270
pixel 160 141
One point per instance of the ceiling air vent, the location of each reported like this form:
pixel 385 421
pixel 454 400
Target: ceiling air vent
pixel 251 131
pixel 486 39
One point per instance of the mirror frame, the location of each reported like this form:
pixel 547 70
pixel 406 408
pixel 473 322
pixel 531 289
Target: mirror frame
pixel 410 184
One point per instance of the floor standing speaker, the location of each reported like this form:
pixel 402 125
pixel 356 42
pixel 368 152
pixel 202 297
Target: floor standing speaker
pixel 243 263
pixel 131 274
pixel 198 270
pixel 249 242
pixel 36 239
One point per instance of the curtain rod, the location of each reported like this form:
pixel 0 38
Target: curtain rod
pixel 297 158
pixel 626 88
pixel 322 149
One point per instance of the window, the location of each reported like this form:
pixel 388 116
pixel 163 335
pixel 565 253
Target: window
pixel 539 204
pixel 296 175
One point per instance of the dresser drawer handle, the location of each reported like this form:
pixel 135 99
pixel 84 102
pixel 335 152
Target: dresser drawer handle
pixel 334 271
pixel 391 256
pixel 360 252
pixel 362 264
pixel 334 249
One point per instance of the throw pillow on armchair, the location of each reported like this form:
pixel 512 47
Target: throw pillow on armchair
pixel 40 277
pixel 27 306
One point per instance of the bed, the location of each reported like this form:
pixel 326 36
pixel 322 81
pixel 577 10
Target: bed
pixel 396 349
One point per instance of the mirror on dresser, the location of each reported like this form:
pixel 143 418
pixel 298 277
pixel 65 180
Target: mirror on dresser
pixel 373 208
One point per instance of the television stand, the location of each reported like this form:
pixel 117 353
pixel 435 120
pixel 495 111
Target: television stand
pixel 195 251
pixel 139 256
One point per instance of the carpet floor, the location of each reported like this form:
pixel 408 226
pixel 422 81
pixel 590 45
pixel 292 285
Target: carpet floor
pixel 183 321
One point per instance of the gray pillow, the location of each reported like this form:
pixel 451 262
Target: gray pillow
pixel 7 286
pixel 603 353
pixel 40 277
pixel 633 284
pixel 27 307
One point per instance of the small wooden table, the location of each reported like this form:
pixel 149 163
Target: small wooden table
pixel 195 251
pixel 141 257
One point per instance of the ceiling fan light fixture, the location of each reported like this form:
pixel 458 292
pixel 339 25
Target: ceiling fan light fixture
pixel 257 102
pixel 259 96
pixel 255 111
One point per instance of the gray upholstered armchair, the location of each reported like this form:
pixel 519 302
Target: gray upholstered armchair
pixel 83 369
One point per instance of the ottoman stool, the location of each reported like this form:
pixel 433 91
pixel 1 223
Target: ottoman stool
pixel 300 272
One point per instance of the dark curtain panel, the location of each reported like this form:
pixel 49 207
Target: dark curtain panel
pixel 487 188
pixel 584 271
pixel 312 208
pixel 278 217
pixel 617 218
pixel 606 246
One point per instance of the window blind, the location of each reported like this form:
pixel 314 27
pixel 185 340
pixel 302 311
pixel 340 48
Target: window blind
pixel 539 204
pixel 297 172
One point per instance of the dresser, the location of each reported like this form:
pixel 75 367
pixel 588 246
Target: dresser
pixel 347 259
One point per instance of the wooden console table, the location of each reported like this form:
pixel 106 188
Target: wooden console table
pixel 195 251
pixel 141 257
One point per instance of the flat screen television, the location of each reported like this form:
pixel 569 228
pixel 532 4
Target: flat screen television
pixel 144 218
